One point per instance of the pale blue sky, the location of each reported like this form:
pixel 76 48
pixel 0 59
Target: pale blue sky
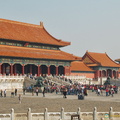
pixel 92 25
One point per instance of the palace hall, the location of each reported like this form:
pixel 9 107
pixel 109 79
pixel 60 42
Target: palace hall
pixel 29 49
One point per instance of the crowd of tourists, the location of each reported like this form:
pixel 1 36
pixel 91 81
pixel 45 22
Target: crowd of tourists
pixel 76 89
pixel 109 90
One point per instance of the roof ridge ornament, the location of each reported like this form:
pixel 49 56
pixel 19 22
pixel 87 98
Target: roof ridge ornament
pixel 41 24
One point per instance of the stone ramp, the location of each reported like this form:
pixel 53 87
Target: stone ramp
pixel 28 82
pixel 115 82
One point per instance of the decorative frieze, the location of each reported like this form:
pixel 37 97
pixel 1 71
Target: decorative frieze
pixel 33 61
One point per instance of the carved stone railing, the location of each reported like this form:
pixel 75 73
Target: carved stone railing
pixel 10 82
pixel 62 115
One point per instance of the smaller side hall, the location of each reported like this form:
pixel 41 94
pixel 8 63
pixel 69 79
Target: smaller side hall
pixel 96 65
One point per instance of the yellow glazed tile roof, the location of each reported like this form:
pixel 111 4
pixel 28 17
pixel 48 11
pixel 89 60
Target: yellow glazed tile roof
pixel 20 31
pixel 24 52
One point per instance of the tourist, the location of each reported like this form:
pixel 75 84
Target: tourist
pixel 20 98
pixel 112 91
pixel 12 94
pixel 98 91
pixel 24 90
pixel 1 93
pixel 64 92
pixel 37 91
pixel 5 93
pixel 85 92
pixel 101 91
pixel 32 91
pixel 107 92
pixel 15 91
pixel 43 92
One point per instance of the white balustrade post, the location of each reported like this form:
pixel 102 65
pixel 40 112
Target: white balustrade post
pixel 79 113
pixel 46 114
pixel 95 114
pixel 62 113
pixel 29 116
pixel 12 114
pixel 102 118
pixel 111 113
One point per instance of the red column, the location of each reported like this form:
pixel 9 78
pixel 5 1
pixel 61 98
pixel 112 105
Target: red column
pixel 97 73
pixel 69 71
pixel 0 68
pixel 3 67
pixel 65 70
pixel 23 70
pixel 56 70
pixel 48 70
pixel 106 73
pixel 117 74
pixel 11 69
pixel 112 73
pixel 38 70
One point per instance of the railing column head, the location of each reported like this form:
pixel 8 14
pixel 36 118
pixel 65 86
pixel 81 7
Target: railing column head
pixel 95 114
pixel 46 114
pixel 12 110
pixel 111 113
pixel 29 109
pixel 46 110
pixel 62 109
pixel 62 113
pixel 95 109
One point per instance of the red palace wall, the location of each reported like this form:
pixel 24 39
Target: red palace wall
pixel 67 70
pixel 119 75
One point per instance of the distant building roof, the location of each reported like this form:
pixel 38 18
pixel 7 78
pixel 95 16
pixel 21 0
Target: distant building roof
pixel 98 59
pixel 79 66
pixel 19 31
pixel 117 60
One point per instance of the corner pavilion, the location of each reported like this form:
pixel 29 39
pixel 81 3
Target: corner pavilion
pixel 28 48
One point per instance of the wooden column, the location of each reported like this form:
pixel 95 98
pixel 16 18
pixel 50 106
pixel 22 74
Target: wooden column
pixel 69 70
pixel 106 73
pixel 48 70
pixel 23 72
pixel 3 68
pixel 64 70
pixel 11 69
pixel 56 70
pixel 39 71
pixel 0 68
pixel 117 74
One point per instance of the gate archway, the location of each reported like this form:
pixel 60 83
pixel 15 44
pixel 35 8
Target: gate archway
pixel 27 69
pixel 44 69
pixel 103 73
pixel 52 70
pixel 34 69
pixel 6 68
pixel 109 73
pixel 17 69
pixel 61 70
